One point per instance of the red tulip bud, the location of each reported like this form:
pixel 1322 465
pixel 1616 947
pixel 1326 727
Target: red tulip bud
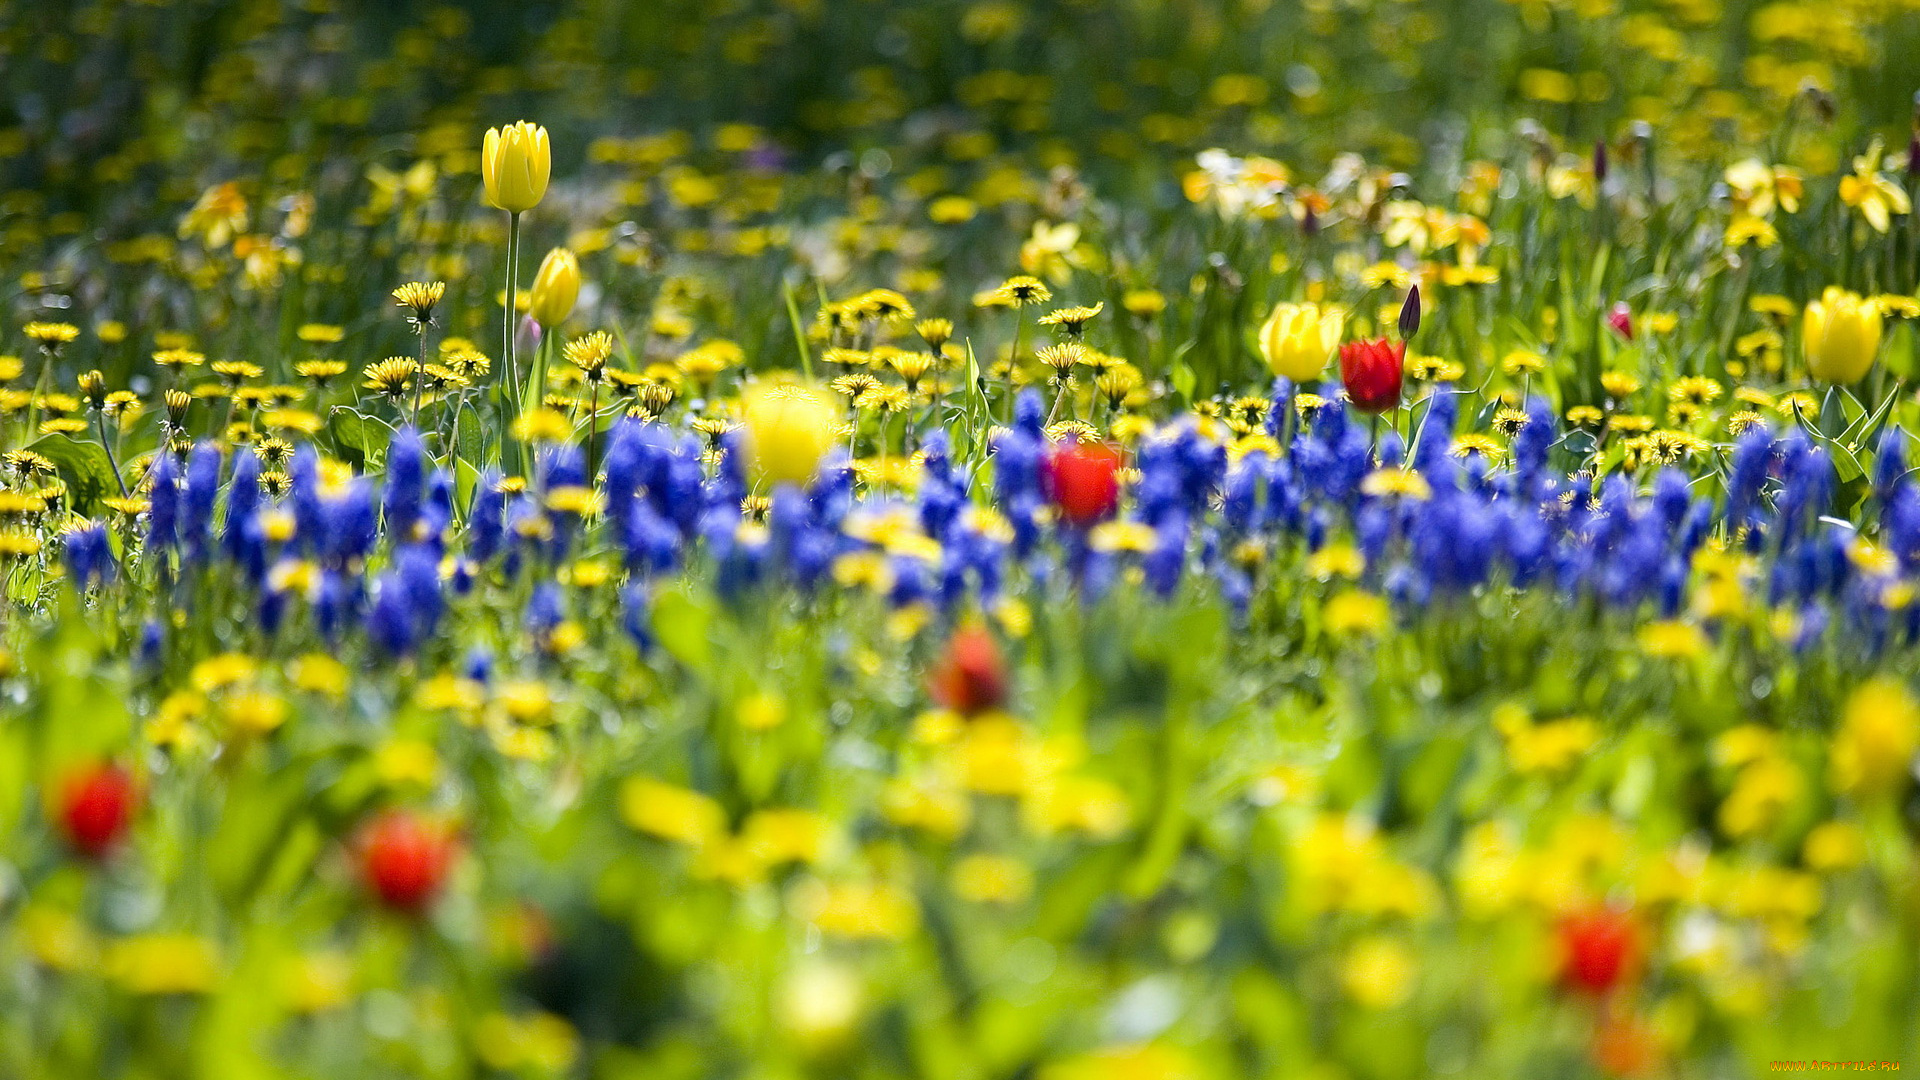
pixel 95 806
pixel 1372 371
pixel 1599 949
pixel 404 859
pixel 1083 482
pixel 971 677
pixel 1620 317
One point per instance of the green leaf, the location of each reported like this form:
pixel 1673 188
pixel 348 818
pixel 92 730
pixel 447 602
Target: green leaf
pixel 465 479
pixel 467 442
pixel 84 466
pixel 358 435
pixel 683 624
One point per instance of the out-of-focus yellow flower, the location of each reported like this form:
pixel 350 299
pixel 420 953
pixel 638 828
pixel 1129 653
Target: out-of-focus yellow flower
pixel 254 712
pixel 1670 639
pixel 58 939
pixel 1842 336
pixel 1761 793
pixel 541 1042
pixel 1879 733
pixel 556 288
pixel 163 964
pixel 1489 874
pixel 407 761
pixel 317 982
pixel 820 1004
pixel 1877 197
pixel 992 879
pixel 1355 612
pixel 859 910
pixel 1834 845
pixel 788 429
pixel 1342 864
pixel 761 711
pixel 1379 972
pixel 1758 187
pixel 1544 748
pixel 1297 339
pixel 671 813
pixel 515 162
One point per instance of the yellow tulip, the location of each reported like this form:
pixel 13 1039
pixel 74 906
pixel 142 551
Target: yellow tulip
pixel 788 429
pixel 514 165
pixel 555 288
pixel 1297 339
pixel 1842 334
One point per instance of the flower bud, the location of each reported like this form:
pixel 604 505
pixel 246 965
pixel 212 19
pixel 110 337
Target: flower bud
pixel 1410 314
pixel 556 288
pixel 1620 319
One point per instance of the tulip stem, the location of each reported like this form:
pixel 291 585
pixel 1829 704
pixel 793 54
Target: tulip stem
pixel 512 373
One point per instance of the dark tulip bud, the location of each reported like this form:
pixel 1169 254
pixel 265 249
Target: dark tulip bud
pixel 1600 161
pixel 1310 223
pixel 1410 314
pixel 1913 155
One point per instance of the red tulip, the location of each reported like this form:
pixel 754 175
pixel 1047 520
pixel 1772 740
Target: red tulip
pixel 95 806
pixel 1083 480
pixel 1620 317
pixel 1372 371
pixel 404 859
pixel 1599 949
pixel 971 677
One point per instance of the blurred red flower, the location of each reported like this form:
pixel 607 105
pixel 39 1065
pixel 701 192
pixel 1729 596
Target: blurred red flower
pixel 405 858
pixel 95 807
pixel 971 676
pixel 1599 949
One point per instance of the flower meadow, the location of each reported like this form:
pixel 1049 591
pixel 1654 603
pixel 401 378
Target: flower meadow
pixel 990 540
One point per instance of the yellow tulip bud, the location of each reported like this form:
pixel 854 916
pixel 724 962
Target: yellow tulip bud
pixel 1297 339
pixel 555 288
pixel 1842 335
pixel 788 429
pixel 514 165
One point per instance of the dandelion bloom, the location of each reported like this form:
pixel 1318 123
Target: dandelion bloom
pixel 788 429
